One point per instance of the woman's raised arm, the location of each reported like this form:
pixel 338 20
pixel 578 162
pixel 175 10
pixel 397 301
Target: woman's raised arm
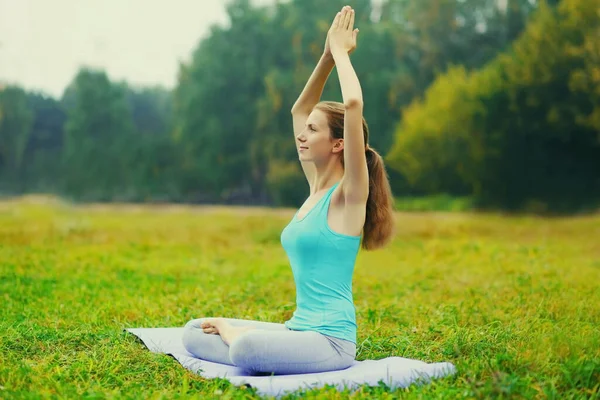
pixel 342 39
pixel 309 97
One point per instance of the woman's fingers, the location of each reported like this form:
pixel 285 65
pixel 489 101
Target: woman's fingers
pixel 346 17
pixel 336 20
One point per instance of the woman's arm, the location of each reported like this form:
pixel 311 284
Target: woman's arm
pixel 309 97
pixel 356 175
pixel 311 94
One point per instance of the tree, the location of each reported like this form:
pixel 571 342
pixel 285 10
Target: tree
pixel 15 129
pixel 153 157
pixel 151 110
pixel 43 153
pixel 97 136
pixel 521 132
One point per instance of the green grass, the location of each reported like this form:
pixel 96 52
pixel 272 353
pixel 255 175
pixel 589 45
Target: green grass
pixel 513 302
pixel 441 202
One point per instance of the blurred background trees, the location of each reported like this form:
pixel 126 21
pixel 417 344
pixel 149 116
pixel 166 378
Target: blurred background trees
pixel 495 100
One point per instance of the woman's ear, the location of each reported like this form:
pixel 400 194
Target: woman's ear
pixel 338 145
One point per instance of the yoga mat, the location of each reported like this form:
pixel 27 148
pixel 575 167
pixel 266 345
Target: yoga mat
pixel 395 372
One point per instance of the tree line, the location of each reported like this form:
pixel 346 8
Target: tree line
pixel 494 100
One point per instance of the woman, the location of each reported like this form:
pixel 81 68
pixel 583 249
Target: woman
pixel 350 198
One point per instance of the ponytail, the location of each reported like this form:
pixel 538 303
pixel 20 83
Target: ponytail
pixel 379 223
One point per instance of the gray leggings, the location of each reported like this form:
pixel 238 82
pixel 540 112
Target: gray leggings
pixel 271 348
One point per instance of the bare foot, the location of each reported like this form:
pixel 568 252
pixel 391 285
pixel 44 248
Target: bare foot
pixel 209 326
pixel 219 326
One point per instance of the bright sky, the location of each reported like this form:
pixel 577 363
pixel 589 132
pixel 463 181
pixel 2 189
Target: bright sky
pixel 44 42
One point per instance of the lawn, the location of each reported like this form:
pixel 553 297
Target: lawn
pixel 512 301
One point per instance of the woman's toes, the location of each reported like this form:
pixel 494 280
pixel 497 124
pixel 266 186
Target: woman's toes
pixel 211 325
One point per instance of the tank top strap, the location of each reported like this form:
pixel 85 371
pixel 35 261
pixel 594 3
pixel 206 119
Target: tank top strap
pixel 324 207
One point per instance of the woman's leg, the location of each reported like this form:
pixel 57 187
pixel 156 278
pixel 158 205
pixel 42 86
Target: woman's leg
pixel 290 352
pixel 211 347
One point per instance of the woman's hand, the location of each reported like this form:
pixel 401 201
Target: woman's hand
pixel 342 35
pixel 327 49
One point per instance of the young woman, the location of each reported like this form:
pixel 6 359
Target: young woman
pixel 350 199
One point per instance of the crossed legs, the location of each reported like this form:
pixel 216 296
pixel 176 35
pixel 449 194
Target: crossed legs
pixel 265 347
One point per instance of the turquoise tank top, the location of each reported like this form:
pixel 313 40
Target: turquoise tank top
pixel 322 263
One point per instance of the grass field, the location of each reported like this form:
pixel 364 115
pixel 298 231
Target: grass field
pixel 513 302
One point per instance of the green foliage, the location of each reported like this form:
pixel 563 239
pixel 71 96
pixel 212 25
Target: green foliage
pixel 216 101
pixel 287 184
pixel 15 129
pixel 118 143
pixel 97 134
pixel 151 110
pixel 511 301
pixel 547 149
pixel 437 148
pixel 520 130
pixel 233 99
pixel 438 202
pixel 42 172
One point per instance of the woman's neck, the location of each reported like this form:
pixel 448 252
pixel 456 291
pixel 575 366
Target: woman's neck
pixel 328 174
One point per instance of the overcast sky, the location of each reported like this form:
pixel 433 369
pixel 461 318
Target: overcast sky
pixel 44 42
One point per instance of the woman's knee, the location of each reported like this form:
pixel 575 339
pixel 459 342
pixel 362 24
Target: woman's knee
pixel 194 323
pixel 245 350
pixel 191 330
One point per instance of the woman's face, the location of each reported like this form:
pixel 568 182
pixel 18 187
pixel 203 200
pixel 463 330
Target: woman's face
pixel 315 143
